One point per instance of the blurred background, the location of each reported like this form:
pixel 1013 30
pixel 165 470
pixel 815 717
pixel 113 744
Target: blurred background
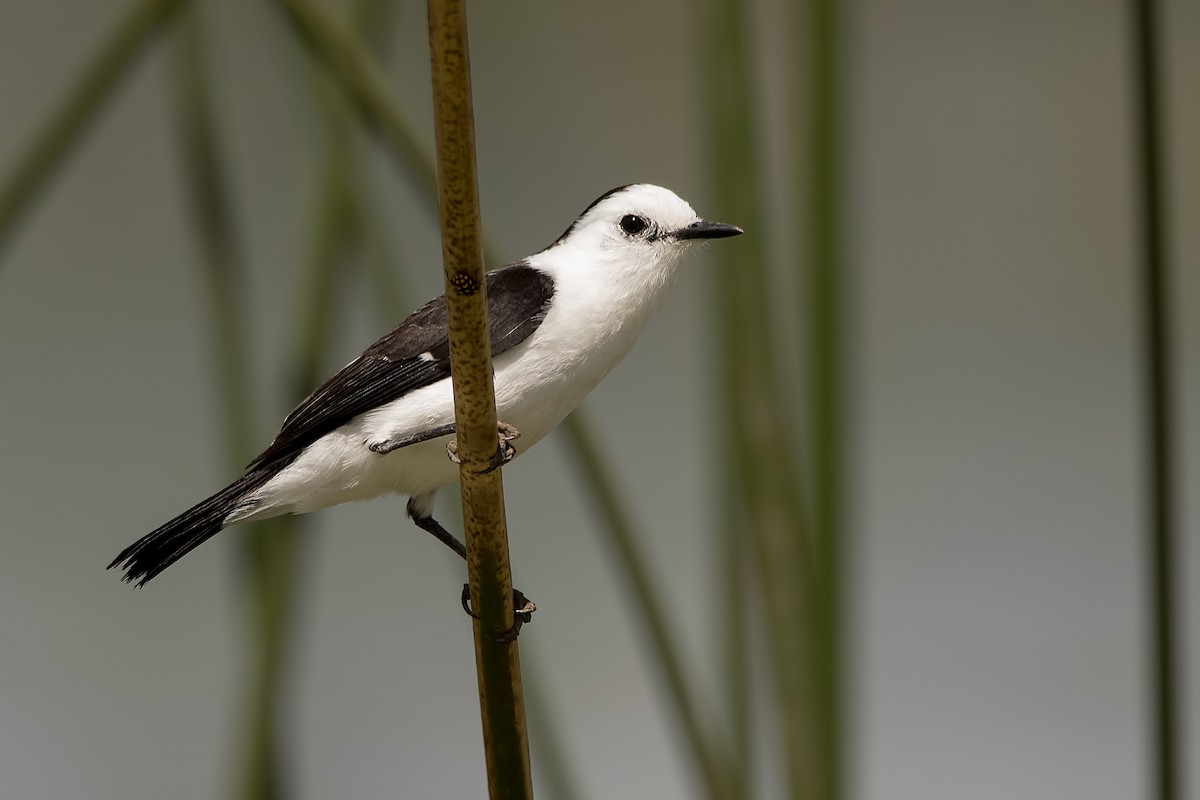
pixel 942 252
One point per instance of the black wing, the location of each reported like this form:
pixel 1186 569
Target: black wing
pixel 415 354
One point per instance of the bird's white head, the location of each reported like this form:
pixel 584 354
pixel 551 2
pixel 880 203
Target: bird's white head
pixel 632 235
pixel 638 219
pixel 610 270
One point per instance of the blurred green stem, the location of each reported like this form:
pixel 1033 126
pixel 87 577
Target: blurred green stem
pixel 273 550
pixel 366 85
pixel 1159 410
pixel 225 271
pixel 825 382
pixel 734 642
pixel 373 21
pixel 216 234
pixel 759 431
pixel 271 547
pixel 711 761
pixel 49 147
pixel 276 545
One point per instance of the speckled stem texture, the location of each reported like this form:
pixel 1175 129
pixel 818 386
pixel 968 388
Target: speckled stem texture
pixel 497 664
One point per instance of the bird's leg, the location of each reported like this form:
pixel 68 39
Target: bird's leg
pixel 427 523
pixel 388 445
pixel 523 607
pixel 505 452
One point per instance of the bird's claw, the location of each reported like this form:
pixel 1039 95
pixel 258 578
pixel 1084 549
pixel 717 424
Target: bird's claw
pixel 523 609
pixel 505 452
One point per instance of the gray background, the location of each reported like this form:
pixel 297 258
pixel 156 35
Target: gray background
pixel 998 636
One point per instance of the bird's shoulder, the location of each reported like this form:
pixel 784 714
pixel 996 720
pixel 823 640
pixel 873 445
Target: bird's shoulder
pixel 414 354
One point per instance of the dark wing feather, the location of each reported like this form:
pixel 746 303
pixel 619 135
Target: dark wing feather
pixel 518 297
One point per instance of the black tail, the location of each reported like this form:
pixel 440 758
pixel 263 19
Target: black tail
pixel 170 542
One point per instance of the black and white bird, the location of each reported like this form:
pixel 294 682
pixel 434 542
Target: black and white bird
pixel 559 322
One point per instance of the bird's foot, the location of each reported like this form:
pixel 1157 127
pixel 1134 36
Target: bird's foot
pixel 385 446
pixel 505 452
pixel 523 609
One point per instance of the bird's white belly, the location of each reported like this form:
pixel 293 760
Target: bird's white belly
pixel 538 383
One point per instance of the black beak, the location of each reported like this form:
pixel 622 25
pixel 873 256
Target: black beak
pixel 702 229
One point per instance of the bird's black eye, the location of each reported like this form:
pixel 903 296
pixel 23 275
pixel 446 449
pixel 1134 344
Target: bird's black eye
pixel 632 224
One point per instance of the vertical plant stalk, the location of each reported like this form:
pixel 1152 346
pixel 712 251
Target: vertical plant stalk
pixel 760 433
pixel 826 372
pixel 365 85
pixel 497 662
pixel 78 108
pixel 216 234
pixel 276 546
pixel 374 22
pixel 1157 355
pixel 273 550
pixel 734 642
pixel 271 547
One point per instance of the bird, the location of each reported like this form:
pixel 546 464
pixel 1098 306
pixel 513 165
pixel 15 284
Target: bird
pixel 559 321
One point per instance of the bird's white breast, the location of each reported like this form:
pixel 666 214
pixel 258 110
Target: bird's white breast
pixel 591 325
